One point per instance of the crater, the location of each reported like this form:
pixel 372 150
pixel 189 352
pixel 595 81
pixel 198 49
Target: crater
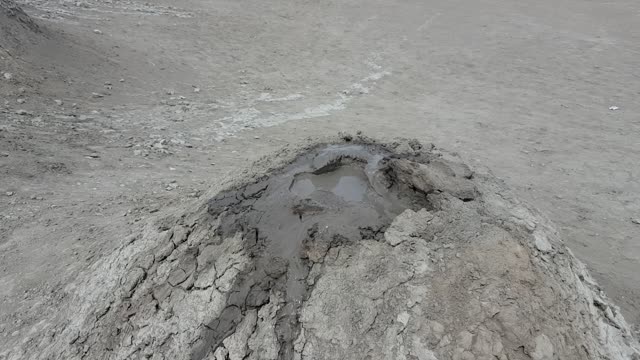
pixel 329 197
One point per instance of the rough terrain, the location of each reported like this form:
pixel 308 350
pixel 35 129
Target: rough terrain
pixel 118 114
pixel 465 271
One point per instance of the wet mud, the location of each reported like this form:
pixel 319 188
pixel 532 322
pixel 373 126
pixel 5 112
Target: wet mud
pixel 329 197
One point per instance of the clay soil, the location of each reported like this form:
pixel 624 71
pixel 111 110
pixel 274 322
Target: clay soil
pixel 118 114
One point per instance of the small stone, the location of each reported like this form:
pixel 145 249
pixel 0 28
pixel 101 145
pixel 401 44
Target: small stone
pixel 58 102
pixel 96 31
pixel 21 101
pixel 121 80
pixel 21 112
pixel 614 108
pixel 543 348
pixel 10 193
pixel 196 90
pixel 541 242
pixel 8 76
pixel 96 95
pixel 22 90
pixel 403 318
pixel 636 221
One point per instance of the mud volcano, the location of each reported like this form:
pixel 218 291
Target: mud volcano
pixel 348 249
pixel 333 196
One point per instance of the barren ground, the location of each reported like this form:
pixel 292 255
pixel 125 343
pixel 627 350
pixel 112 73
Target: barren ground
pixel 210 86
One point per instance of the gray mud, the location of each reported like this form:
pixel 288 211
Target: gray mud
pixel 327 198
pixel 342 251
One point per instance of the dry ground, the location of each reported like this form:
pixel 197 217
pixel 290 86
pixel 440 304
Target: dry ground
pixel 523 88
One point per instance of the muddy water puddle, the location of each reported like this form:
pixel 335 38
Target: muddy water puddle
pixel 349 183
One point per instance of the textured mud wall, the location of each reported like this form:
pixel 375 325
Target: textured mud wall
pixel 432 262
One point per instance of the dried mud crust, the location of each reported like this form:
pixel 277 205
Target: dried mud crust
pixel 431 261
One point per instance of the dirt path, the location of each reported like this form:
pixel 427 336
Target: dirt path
pixel 523 89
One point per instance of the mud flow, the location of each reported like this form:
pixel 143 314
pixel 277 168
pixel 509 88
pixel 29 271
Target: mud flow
pixel 330 197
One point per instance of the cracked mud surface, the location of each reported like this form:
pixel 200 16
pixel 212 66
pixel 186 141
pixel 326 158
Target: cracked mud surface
pixel 103 133
pixel 351 250
pixel 333 197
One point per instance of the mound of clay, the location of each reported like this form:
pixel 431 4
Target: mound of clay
pixel 17 29
pixel 347 250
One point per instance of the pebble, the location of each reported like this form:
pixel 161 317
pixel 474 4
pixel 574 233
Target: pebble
pixel 8 76
pixel 21 101
pixel 96 95
pixel 196 90
pixel 9 193
pixel 636 221
pixel 21 112
pixel 22 90
pixel 121 80
pixel 58 102
pixel 96 31
pixel 614 108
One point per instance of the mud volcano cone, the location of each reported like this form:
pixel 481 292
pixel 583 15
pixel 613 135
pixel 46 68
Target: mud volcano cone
pixel 17 29
pixel 345 250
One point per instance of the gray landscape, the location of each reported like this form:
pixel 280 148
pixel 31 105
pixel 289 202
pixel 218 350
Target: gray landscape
pixel 319 180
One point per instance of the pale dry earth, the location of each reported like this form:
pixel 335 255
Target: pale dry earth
pixel 209 87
